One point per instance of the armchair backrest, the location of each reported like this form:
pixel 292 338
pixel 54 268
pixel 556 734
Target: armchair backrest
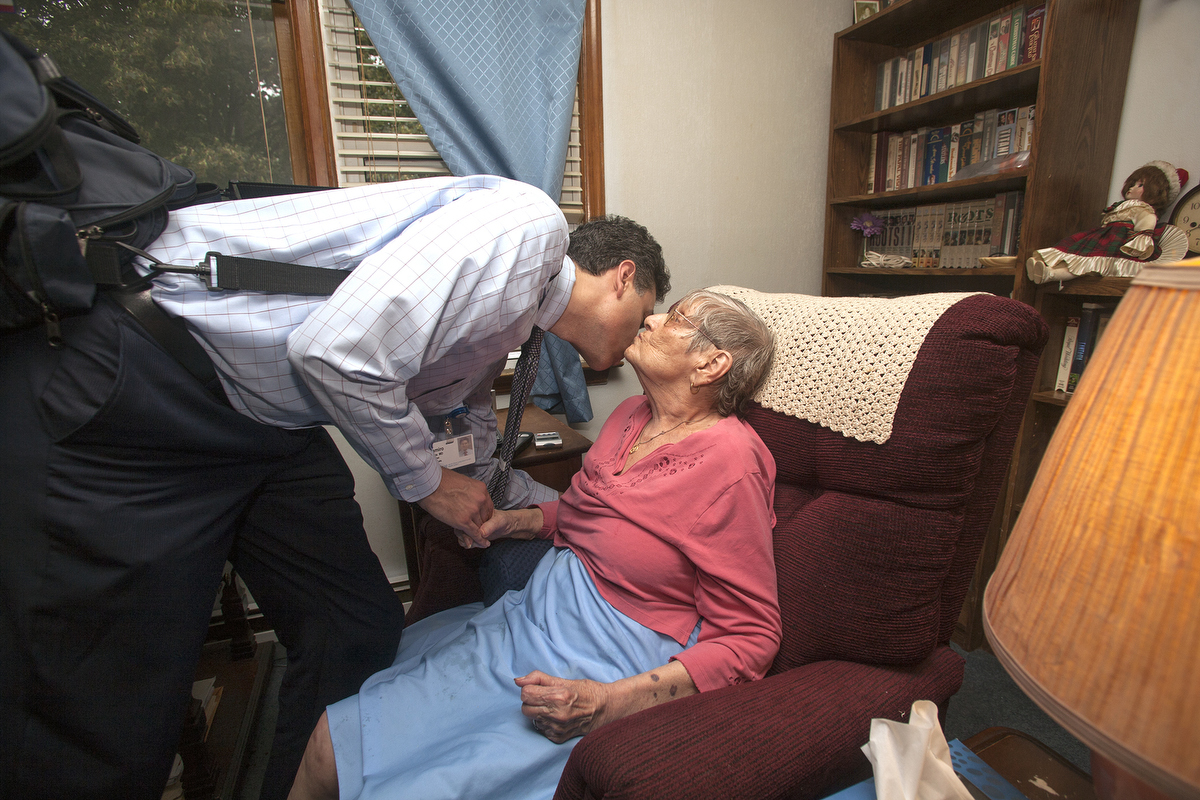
pixel 876 544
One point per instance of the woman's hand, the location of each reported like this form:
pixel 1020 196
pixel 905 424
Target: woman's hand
pixel 561 709
pixel 522 523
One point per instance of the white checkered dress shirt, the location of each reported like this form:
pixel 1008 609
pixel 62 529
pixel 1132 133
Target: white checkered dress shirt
pixel 449 275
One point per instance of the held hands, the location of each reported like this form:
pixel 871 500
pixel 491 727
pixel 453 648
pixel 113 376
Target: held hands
pixel 462 503
pixel 518 524
pixel 561 709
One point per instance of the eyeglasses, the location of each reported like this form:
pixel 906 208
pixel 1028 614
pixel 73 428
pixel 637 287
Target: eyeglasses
pixel 674 315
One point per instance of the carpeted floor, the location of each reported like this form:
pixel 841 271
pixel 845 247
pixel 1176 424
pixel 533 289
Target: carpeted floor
pixel 987 699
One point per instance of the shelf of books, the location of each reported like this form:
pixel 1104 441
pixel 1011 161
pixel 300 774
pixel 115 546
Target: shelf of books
pixel 943 146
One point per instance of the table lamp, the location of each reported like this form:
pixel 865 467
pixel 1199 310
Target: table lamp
pixel 1094 607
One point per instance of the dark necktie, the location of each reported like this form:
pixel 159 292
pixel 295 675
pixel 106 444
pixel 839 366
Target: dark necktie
pixel 522 384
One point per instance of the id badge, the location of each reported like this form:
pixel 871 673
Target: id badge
pixel 453 444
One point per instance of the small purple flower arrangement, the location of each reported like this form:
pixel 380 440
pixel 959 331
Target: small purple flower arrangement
pixel 869 224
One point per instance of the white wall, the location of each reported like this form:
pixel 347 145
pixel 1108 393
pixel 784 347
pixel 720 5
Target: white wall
pixel 716 128
pixel 716 118
pixel 1162 105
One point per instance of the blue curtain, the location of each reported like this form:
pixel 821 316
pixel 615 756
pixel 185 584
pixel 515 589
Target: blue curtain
pixel 493 83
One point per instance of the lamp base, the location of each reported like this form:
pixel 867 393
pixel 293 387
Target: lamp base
pixel 1114 782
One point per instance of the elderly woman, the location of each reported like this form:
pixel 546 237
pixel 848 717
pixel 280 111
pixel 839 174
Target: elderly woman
pixel 662 585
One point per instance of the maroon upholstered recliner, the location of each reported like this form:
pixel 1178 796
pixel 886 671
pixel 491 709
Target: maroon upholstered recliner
pixel 875 546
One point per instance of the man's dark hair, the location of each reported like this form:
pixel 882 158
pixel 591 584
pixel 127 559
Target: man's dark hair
pixel 601 244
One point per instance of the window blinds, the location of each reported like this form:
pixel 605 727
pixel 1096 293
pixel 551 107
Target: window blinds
pixel 377 136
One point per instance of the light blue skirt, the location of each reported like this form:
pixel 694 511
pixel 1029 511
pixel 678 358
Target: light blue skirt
pixel 445 721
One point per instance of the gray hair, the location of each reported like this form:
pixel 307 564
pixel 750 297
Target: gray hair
pixel 732 326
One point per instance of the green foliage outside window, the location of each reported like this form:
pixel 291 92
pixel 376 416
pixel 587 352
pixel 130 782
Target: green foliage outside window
pixel 199 79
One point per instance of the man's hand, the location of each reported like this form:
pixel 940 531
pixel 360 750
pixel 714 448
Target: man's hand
pixel 462 503
pixel 561 709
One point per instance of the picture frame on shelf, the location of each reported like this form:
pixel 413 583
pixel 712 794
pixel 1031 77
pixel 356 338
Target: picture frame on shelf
pixel 864 9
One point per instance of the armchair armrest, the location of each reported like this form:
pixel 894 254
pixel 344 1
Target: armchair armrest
pixel 794 734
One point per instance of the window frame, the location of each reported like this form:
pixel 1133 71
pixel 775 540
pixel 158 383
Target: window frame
pixel 306 99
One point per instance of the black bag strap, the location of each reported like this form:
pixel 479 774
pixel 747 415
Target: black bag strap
pixel 171 334
pixel 219 271
pixel 252 274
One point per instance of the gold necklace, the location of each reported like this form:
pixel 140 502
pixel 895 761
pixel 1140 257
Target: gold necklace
pixel 639 443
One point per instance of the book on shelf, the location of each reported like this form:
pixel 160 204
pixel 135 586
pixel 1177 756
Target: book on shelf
pixel 872 152
pixel 943 157
pixel 943 62
pixel 899 164
pixel 1067 355
pixel 963 77
pixel 1085 340
pixel 1010 233
pixel 881 154
pixel 977 138
pixel 947 250
pixel 928 69
pixel 969 63
pixel 982 212
pixel 1016 32
pixel 1002 43
pixel 966 132
pixel 910 175
pixel 1020 142
pixel 952 156
pixel 1035 21
pixel 981 36
pixel 991 119
pixel 889 171
pixel 902 80
pixel 883 85
pixel 993 47
pixel 929 159
pixel 952 61
pixel 1006 131
pixel 920 235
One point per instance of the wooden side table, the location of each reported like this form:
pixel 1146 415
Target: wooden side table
pixel 1033 769
pixel 553 467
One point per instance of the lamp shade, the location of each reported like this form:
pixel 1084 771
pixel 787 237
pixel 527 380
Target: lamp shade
pixel 1094 607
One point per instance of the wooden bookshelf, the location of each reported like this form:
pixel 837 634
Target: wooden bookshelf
pixel 1078 88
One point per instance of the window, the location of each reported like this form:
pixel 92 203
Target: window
pixel 289 91
pixel 199 79
pixel 351 125
pixel 376 135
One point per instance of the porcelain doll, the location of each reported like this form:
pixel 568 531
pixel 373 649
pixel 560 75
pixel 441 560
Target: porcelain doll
pixel 1129 237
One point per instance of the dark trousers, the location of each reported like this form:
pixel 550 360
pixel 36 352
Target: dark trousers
pixel 125 486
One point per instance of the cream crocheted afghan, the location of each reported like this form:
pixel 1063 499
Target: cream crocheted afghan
pixel 842 362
